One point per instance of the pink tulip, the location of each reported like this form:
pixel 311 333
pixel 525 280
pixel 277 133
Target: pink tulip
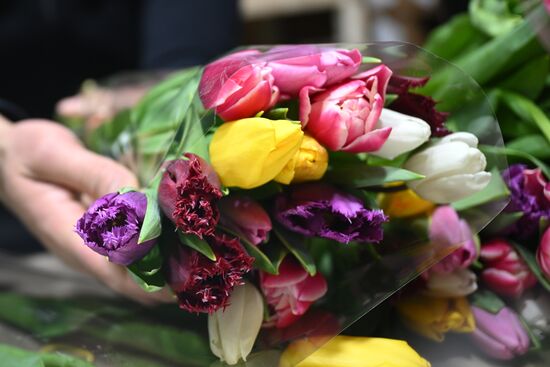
pixel 448 230
pixel 344 116
pixel 246 217
pixel 237 86
pixel 298 66
pixel 543 254
pixel 505 272
pixel 501 335
pixel 291 292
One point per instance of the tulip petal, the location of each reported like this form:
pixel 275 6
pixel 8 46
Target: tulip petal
pixel 290 273
pixel 502 281
pixel 313 288
pixel 381 72
pixel 369 142
pixel 449 189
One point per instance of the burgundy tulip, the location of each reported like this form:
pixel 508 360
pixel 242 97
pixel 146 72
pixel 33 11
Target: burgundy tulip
pixel 505 272
pixel 543 254
pixel 246 217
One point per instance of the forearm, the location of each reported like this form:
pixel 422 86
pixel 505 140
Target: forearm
pixel 5 125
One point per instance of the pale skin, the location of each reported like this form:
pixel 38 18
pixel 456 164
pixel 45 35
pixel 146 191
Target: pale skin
pixel 45 174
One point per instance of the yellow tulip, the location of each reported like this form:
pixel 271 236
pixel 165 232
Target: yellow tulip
pixel 433 317
pixel 250 152
pixel 309 164
pixel 406 203
pixel 349 351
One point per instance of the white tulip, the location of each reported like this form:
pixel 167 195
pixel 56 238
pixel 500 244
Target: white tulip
pixel 407 133
pixel 453 169
pixel 536 312
pixel 461 282
pixel 233 331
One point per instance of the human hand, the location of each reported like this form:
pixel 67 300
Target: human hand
pixel 44 174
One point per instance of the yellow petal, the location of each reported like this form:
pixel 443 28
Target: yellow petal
pixel 309 164
pixel 405 203
pixel 251 152
pixel 347 351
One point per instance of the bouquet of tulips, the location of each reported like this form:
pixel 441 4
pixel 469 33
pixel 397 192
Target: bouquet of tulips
pixel 288 190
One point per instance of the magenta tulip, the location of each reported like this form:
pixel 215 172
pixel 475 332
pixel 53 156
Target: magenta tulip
pixel 291 292
pixel 246 217
pixel 501 335
pixel 447 230
pixel 238 86
pixel 543 254
pixel 505 272
pixel 298 66
pixel 344 116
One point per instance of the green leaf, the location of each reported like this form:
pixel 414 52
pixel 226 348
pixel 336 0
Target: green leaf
pixel 531 261
pixel 501 222
pixel 535 145
pixel 296 245
pixel 495 190
pixel 197 244
pixel 527 111
pixel 371 60
pixel 518 154
pixel 535 340
pixel 16 357
pixel 488 301
pixel 146 271
pixel 494 17
pixel 152 226
pixel 261 260
pixel 361 175
pixel 528 81
pixel 277 114
pixel 276 253
pixel 152 283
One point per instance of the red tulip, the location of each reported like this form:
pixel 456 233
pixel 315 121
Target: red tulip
pixel 505 272
pixel 344 116
pixel 246 217
pixel 238 86
pixel 543 254
pixel 291 292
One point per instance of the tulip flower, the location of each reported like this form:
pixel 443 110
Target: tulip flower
pixel 233 330
pixel 505 272
pixel 461 282
pixel 500 335
pixel 433 317
pixel 535 311
pixel 317 209
pixel 453 169
pixel 111 227
pixel 237 86
pixel 203 285
pixel 543 254
pixel 309 164
pixel 188 192
pixel 291 292
pixel 298 66
pixel 250 152
pixel 407 134
pixel 404 204
pixel 529 194
pixel 344 116
pixel 352 351
pixel 447 230
pixel 246 217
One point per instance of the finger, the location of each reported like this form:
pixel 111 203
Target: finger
pixel 51 216
pixel 71 165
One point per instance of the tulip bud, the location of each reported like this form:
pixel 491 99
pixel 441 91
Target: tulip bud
pixel 500 335
pixel 453 169
pixel 250 152
pixel 407 133
pixel 404 203
pixel 535 310
pixel 111 227
pixel 309 164
pixel 461 282
pixel 505 272
pixel 246 217
pixel 233 330
pixel 543 254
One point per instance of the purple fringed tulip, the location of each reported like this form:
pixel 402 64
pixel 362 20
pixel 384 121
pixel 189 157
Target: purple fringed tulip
pixel 505 272
pixel 344 116
pixel 500 335
pixel 111 227
pixel 448 230
pixel 543 254
pixel 246 217
pixel 530 194
pixel 320 210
